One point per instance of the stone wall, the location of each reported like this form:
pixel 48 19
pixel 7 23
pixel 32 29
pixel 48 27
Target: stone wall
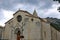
pixel 46 31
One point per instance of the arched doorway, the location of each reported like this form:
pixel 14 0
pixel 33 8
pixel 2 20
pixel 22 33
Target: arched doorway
pixel 18 35
pixel 17 32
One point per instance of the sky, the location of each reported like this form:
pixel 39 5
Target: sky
pixel 44 8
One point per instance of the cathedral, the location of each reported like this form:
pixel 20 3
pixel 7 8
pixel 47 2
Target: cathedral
pixel 27 26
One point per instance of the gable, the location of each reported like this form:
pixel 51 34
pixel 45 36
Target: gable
pixel 18 12
pixel 21 11
pixel 24 14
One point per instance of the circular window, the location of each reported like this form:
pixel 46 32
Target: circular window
pixel 19 18
pixel 32 20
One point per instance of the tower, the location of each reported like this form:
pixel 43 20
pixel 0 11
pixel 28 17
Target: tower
pixel 35 13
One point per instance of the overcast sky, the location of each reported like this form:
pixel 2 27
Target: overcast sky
pixel 44 8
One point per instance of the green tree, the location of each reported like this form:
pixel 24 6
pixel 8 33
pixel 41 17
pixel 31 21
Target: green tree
pixel 58 7
pixel 57 0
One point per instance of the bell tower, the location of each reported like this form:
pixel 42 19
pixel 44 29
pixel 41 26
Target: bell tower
pixel 35 13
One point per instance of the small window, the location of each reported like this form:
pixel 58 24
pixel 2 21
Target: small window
pixel 32 19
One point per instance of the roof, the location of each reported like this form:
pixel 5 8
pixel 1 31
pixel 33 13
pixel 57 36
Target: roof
pixel 30 15
pixel 8 20
pixel 42 19
pixel 54 22
pixel 1 27
pixel 17 12
pixel 22 11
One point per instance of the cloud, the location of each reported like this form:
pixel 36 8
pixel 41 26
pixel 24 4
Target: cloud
pixel 45 8
pixel 1 15
pixel 26 7
pixel 9 4
pixel 6 15
pixel 51 12
pixel 2 24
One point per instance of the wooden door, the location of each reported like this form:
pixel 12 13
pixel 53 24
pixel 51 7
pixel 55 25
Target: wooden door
pixel 18 35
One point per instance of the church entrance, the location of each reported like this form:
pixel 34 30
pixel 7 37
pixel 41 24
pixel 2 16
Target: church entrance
pixel 18 35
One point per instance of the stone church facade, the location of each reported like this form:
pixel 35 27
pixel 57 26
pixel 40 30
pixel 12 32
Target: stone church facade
pixel 26 26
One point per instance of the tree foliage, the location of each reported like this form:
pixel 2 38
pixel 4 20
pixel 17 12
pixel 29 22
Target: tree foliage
pixel 57 0
pixel 58 7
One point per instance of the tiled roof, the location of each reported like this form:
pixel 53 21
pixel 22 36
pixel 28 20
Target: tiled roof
pixel 54 22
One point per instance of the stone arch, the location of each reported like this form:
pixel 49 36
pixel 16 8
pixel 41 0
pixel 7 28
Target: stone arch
pixel 17 30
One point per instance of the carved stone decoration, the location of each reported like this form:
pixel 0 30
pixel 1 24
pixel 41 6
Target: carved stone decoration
pixel 16 30
pixel 19 27
pixel 19 18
